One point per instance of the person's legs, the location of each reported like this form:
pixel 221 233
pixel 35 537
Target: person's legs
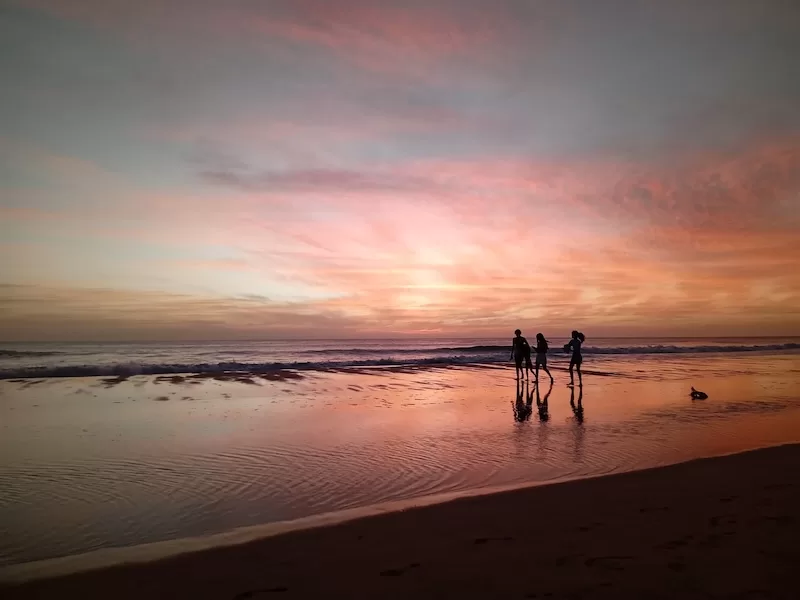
pixel 580 376
pixel 571 367
pixel 543 363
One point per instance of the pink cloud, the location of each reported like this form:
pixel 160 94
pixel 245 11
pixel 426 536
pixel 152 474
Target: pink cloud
pixel 383 37
pixel 376 36
pixel 467 247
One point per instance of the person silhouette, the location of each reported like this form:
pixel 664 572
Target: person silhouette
pixel 574 345
pixel 577 409
pixel 542 346
pixel 521 349
pixel 542 405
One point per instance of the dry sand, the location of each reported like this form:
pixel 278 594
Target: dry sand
pixel 714 528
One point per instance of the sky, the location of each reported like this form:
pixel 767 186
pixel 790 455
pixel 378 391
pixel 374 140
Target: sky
pixel 189 169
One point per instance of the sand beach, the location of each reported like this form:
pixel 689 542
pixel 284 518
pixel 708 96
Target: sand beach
pixel 712 528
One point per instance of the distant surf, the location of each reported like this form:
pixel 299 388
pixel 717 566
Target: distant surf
pixel 324 358
pixel 25 353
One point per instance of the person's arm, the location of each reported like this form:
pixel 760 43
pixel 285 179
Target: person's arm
pixel 513 346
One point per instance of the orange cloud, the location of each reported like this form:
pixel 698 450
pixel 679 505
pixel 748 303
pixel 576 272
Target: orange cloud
pixel 703 245
pixel 378 162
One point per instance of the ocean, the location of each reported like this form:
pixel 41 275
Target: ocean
pixel 107 359
pixel 109 448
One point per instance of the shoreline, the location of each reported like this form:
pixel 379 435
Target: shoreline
pixel 229 553
pixel 142 554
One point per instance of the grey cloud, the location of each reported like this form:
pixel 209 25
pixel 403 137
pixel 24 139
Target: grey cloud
pixel 643 79
pixel 315 180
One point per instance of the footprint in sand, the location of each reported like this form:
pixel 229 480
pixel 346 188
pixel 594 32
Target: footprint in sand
pixel 777 486
pixel 613 563
pixel 716 520
pixel 673 544
pixel 563 561
pixel 712 541
pixel 256 593
pixel 493 539
pixel 646 509
pixel 400 571
pixel 780 519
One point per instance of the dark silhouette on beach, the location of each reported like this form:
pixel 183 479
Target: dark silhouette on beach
pixel 542 346
pixel 574 345
pixel 521 349
pixel 698 395
pixel 542 404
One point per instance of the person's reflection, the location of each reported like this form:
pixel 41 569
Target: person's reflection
pixel 579 429
pixel 577 409
pixel 542 405
pixel 522 411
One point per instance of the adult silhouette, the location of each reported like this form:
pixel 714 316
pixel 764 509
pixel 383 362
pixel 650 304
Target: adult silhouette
pixel 521 350
pixel 574 345
pixel 542 346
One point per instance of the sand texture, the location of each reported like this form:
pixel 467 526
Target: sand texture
pixel 714 528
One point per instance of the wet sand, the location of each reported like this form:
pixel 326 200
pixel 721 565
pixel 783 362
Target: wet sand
pixel 96 464
pixel 713 528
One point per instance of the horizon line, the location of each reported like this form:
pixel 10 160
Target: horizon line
pixel 385 339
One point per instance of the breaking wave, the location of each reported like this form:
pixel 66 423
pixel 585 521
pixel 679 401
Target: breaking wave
pixel 129 369
pixel 352 358
pixel 555 348
pixel 25 353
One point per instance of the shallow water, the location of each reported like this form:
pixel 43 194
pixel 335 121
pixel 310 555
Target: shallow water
pixel 87 463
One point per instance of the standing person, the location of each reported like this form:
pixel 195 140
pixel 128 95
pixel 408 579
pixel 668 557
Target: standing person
pixel 528 363
pixel 520 348
pixel 575 345
pixel 542 346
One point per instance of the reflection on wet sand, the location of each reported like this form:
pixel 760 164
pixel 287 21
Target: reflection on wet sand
pixel 578 431
pixel 522 409
pixel 239 455
pixel 542 404
pixel 577 409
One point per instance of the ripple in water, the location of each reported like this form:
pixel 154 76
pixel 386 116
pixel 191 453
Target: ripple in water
pixel 263 467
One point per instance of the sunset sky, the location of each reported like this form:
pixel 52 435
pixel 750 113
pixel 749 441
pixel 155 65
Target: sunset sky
pixel 190 169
